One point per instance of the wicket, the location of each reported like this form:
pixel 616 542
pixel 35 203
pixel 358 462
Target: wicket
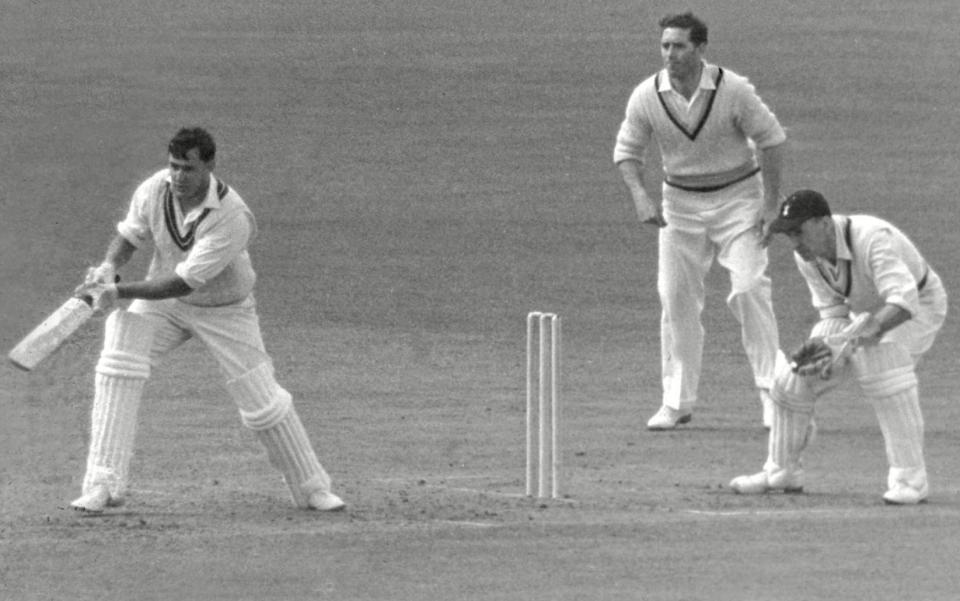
pixel 543 375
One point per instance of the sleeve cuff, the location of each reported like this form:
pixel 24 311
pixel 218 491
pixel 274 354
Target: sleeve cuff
pixel 181 270
pixel 903 304
pixel 130 234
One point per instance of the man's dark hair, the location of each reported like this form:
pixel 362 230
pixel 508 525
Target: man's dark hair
pixel 193 137
pixel 688 21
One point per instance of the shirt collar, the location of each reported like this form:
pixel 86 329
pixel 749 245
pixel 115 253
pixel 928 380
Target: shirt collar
pixel 840 224
pixel 708 78
pixel 210 201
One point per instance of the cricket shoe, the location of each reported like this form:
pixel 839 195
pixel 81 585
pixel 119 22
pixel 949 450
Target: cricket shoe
pixel 789 481
pixel 96 500
pixel 668 418
pixel 322 500
pixel 904 494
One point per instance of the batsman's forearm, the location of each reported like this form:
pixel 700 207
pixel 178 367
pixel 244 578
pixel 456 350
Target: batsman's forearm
pixel 888 317
pixel 119 251
pixel 167 287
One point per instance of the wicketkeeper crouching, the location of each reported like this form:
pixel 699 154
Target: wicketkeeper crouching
pixel 881 306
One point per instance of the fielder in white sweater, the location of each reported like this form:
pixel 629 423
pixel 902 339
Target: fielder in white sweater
pixel 718 195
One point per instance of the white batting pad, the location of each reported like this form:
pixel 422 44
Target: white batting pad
pixel 121 373
pixel 794 398
pixel 113 428
pixel 267 408
pixel 290 451
pixel 791 429
pixel 887 377
pixel 884 369
pixel 901 422
pixel 790 434
pixel 791 390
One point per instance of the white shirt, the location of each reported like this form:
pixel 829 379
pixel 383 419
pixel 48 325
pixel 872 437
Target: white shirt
pixel 207 247
pixel 876 264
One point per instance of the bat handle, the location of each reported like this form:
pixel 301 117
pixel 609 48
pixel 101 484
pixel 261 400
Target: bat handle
pixel 86 298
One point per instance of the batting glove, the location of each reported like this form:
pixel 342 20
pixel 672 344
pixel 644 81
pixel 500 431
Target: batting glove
pixel 105 273
pixel 102 297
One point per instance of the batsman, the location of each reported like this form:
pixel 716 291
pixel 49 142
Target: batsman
pixel 199 285
pixel 881 306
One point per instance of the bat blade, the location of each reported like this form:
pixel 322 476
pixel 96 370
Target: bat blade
pixel 47 337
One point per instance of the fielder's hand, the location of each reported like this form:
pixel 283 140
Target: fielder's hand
pixel 648 211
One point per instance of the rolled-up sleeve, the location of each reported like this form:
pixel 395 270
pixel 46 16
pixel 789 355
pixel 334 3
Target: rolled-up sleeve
pixel 135 227
pixel 895 282
pixel 217 245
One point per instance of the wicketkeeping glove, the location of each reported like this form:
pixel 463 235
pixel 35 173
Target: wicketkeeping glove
pixel 822 355
pixel 813 357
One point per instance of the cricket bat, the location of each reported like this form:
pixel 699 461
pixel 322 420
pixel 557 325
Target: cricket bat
pixel 47 337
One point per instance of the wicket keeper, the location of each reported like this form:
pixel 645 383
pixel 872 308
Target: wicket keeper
pixel 881 306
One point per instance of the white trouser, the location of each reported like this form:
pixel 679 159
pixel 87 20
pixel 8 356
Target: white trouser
pixel 231 333
pixel 702 227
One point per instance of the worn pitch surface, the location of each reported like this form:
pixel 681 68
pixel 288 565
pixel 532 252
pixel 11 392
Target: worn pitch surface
pixel 424 174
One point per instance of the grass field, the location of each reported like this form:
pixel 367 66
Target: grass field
pixel 423 175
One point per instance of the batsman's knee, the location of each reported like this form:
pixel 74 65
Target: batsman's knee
pixel 262 402
pixel 127 340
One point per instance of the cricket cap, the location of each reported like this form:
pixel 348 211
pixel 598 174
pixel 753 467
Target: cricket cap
pixel 797 208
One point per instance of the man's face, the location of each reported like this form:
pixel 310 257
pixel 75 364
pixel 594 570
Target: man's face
pixel 189 178
pixel 814 239
pixel 681 57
